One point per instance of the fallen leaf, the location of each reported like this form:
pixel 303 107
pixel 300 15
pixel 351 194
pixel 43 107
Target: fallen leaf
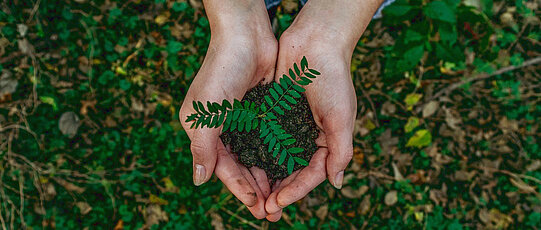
pixel 430 108
pixel 154 215
pixel 352 193
pixel 412 123
pixel 68 124
pixel 364 208
pixel 217 221
pixel 397 175
pixel 157 200
pixel 322 212
pixel 391 198
pixel 69 186
pixel 8 84
pixel 83 207
pixel 412 99
pixel 119 225
pixel 520 184
pixel 420 139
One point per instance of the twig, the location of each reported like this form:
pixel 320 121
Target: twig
pixel 482 76
pixel 240 218
pixel 510 173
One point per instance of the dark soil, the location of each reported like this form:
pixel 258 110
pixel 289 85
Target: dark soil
pixel 298 122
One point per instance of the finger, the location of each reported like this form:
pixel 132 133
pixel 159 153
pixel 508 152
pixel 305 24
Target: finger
pixel 308 178
pixel 340 144
pixel 258 210
pixel 262 181
pixel 274 217
pixel 230 174
pixel 271 206
pixel 203 148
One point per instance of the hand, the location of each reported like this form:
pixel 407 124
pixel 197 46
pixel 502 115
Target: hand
pixel 326 32
pixel 242 52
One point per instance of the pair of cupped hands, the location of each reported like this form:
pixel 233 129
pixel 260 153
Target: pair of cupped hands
pixel 243 53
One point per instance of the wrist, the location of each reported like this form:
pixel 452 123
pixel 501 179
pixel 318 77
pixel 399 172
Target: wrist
pixel 232 18
pixel 339 22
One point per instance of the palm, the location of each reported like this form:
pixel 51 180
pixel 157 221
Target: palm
pixel 228 71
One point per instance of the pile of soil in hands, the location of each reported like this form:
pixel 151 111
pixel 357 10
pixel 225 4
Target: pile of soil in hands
pixel 298 122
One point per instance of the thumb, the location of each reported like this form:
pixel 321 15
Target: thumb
pixel 340 144
pixel 204 153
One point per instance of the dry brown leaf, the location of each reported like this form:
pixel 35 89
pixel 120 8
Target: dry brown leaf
pixel 391 198
pixel 154 215
pixel 352 193
pixel 84 207
pixel 520 184
pixel 397 175
pixel 430 108
pixel 69 123
pixel 322 212
pixel 217 221
pixel 8 84
pixel 365 205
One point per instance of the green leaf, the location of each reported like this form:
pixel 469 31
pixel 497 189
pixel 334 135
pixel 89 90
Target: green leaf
pixel 420 139
pixel 285 105
pixel 289 142
pixel 246 105
pixel 214 121
pixel 292 75
pixel 227 122
pixel 290 99
pixel 240 126
pixel 195 107
pixel 237 104
pixel 301 161
pixel 439 10
pixel 290 165
pixel 242 115
pixel 284 136
pixel 315 72
pixel 248 125
pixel 309 75
pixel 283 156
pixel 199 122
pixel 287 80
pixel 396 10
pixel 192 117
pixel 276 150
pixel 271 115
pixel 233 125
pixel 236 114
pixel 298 88
pixel 273 94
pixel 255 122
pixel 211 108
pixel 263 132
pixel 226 104
pixel 278 110
pixel 295 150
pixel 269 101
pixel 217 106
pixel 202 108
pixel 296 67
pixel 267 139
pixel 221 119
pixel 263 107
pixel 412 99
pixel 278 88
pixel 271 144
pixel 294 93
pixel 413 122
pixel 283 83
pixel 304 63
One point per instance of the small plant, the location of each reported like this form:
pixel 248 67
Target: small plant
pixel 247 116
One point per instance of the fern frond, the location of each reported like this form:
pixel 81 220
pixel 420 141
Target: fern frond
pixel 286 90
pixel 277 139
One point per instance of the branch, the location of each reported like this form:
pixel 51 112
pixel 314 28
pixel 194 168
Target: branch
pixel 483 76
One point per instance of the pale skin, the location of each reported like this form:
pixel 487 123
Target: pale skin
pixel 243 52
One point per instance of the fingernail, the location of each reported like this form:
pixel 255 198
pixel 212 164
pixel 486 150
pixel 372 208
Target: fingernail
pixel 339 179
pixel 199 175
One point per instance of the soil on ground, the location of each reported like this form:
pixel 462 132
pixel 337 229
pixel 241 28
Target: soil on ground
pixel 251 150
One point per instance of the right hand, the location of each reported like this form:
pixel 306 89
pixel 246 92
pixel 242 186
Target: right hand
pixel 241 54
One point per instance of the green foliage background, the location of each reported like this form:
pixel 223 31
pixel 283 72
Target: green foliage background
pixel 425 156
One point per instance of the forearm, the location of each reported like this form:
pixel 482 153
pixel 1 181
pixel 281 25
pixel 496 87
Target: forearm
pixel 237 16
pixel 341 21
